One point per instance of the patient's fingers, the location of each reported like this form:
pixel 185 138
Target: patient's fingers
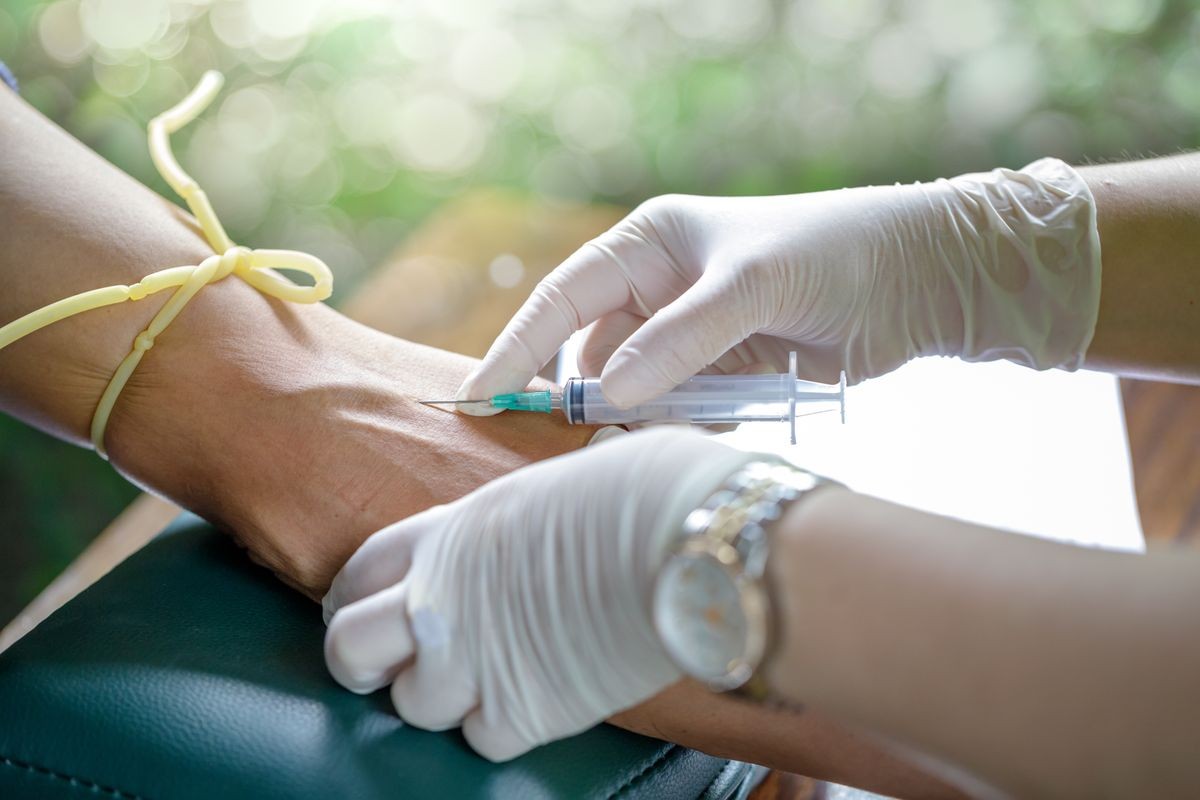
pixel 437 691
pixel 381 561
pixel 369 641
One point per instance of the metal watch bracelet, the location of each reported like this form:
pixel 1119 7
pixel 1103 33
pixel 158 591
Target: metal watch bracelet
pixel 733 526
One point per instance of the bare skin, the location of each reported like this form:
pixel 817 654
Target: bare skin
pixel 1148 213
pixel 292 427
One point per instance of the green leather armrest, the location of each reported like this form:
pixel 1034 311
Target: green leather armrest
pixel 188 672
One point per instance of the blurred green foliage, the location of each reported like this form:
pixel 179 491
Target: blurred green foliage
pixel 54 498
pixel 344 122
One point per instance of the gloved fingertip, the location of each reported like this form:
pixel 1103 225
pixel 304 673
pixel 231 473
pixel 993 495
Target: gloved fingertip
pixel 329 606
pixel 340 666
pixel 487 381
pixel 478 409
pixel 495 741
pixel 606 433
pixel 368 642
pixel 437 692
pixel 624 384
pixel 468 391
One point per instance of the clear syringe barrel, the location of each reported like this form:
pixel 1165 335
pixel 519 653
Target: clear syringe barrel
pixel 709 399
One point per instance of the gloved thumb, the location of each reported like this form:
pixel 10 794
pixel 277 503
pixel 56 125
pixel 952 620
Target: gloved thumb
pixel 676 343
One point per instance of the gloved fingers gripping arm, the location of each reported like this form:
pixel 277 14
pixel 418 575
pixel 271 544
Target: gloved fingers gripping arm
pixel 385 557
pixel 1004 264
pixel 521 610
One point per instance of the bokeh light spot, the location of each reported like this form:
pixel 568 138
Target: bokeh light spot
pixel 231 178
pixel 1123 16
pixel 593 117
pixel 438 133
pixel 251 117
pixel 231 23
pixel 1183 80
pixel 899 63
pixel 122 79
pixel 61 32
pixel 506 270
pixel 124 24
pixel 955 28
pixel 719 21
pixel 842 20
pixel 361 109
pixel 283 19
pixel 487 63
pixel 995 88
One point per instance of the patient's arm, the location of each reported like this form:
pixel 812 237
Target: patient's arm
pixel 290 426
pixel 287 424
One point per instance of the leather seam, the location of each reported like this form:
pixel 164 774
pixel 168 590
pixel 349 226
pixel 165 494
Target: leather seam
pixel 71 779
pixel 730 767
pixel 642 773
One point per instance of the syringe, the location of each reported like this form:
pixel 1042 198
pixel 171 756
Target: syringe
pixel 704 399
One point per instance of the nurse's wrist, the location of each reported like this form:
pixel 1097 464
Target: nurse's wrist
pixel 798 547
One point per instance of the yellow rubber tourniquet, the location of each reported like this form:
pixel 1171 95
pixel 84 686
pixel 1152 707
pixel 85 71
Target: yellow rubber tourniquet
pixel 255 267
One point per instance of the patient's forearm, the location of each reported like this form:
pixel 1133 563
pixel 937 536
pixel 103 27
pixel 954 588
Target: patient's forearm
pixel 288 424
pixel 71 223
pixel 291 426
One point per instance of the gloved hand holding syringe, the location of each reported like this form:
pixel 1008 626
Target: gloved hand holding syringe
pixel 702 400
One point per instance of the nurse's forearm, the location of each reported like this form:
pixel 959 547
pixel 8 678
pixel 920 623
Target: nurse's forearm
pixel 1043 669
pixel 1149 218
pixel 808 743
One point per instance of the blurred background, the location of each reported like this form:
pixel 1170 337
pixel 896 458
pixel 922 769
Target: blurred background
pixel 354 128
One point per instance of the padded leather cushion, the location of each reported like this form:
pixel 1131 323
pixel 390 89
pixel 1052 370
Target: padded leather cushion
pixel 190 673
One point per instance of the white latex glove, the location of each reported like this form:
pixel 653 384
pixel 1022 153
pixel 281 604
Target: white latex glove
pixel 985 266
pixel 522 611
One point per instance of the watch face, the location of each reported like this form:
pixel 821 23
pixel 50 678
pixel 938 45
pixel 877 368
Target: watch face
pixel 699 616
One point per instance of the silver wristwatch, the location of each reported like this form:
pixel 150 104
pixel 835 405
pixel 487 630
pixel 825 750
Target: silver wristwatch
pixel 712 605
